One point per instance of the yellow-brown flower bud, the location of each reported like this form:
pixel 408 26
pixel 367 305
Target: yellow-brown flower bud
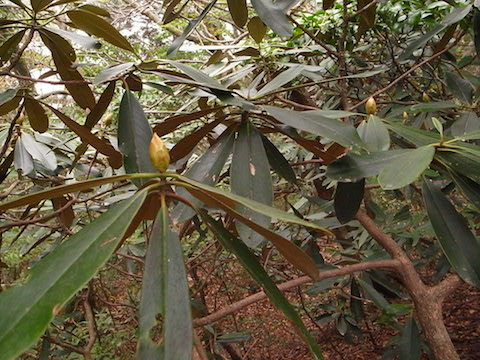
pixel 20 119
pixel 425 97
pixel 405 116
pixel 108 119
pixel 159 155
pixel 371 106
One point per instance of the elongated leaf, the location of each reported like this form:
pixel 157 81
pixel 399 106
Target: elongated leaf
pixel 38 5
pixel 7 95
pixel 26 310
pixel 172 50
pixel 172 123
pixel 165 292
pixel 37 116
pixel 476 30
pixel 95 25
pixel 280 80
pixel 250 177
pixel 278 162
pixel 101 106
pixel 85 41
pixel 470 188
pixel 40 152
pixel 354 167
pixel 406 168
pixel 110 72
pixel 199 76
pixel 257 29
pixel 69 188
pixel 374 295
pixel 22 159
pixel 10 105
pixel 458 243
pixel 9 46
pixel 205 170
pixel 239 11
pixel 348 198
pixel 313 122
pixel 256 271
pixel 374 134
pixel 134 136
pixel 459 87
pixel 433 106
pixel 95 9
pixel 468 123
pixel 367 17
pixel 273 15
pixel 410 344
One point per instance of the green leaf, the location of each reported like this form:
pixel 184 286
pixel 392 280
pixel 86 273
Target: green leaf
pixel 433 106
pixel 38 5
pixel 280 80
pixel 458 243
pixel 95 25
pixel 406 168
pixel 273 15
pixel 26 310
pixel 476 31
pixel 134 136
pixel 173 48
pixel 348 198
pixel 198 76
pixel 9 46
pixel 22 159
pixel 110 72
pixel 466 124
pixel 410 344
pixel 257 29
pixel 353 167
pixel 315 123
pixel 101 106
pixel 415 136
pixel 37 116
pixel 85 41
pixel 7 96
pixel 256 271
pixel 250 177
pixel 374 295
pixel 459 87
pixel 205 170
pixel 95 9
pixel 165 292
pixel 278 162
pixel 470 188
pixel 239 12
pixel 40 152
pixel 374 134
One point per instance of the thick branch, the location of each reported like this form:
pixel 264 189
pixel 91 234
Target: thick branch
pixel 446 287
pixel 349 269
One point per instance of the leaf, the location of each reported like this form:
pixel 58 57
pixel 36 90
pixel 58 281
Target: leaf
pixel 374 134
pixel 40 152
pixel 367 17
pixel 103 147
pixel 459 87
pixel 280 80
pixel 356 305
pixel 273 15
pixel 9 46
pixel 22 159
pixel 85 41
pixel 250 177
pixel 38 5
pixel 111 72
pixel 410 344
pixel 257 29
pixel 66 216
pixel 36 115
pixel 172 123
pixel 348 198
pixel 205 170
pixel 476 31
pixel 95 9
pixel 165 292
pixel 10 105
pixel 95 25
pixel 199 76
pixel 239 12
pixel 433 106
pixel 374 295
pixel 278 162
pixel 101 106
pixel 466 124
pixel 26 310
pixel 406 168
pixel 354 167
pixel 458 243
pixel 470 188
pixel 327 4
pixel 7 96
pixel 313 122
pixel 173 48
pixel 134 136
pixel 256 271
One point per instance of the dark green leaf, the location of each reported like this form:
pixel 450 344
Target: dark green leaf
pixel 101 106
pixel 280 80
pixel 476 31
pixel 239 11
pixel 466 124
pixel 7 96
pixel 433 106
pixel 459 87
pixel 410 342
pixel 273 15
pixel 26 310
pixel 40 152
pixel 38 5
pixel 9 46
pixel 278 162
pixel 198 76
pixel 348 198
pixel 374 295
pixel 458 243
pixel 37 116
pixel 470 188
pixel 374 134
pixel 111 72
pixel 95 9
pixel 356 305
pixel 257 29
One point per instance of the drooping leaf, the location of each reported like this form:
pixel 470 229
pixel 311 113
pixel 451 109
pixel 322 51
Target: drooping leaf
pixel 10 105
pixel 22 159
pixel 406 168
pixel 280 80
pixel 347 200
pixel 459 87
pixel 95 25
pixel 40 152
pixel 37 116
pixel 101 106
pixel 470 188
pixel 38 5
pixel 476 30
pixel 239 11
pixel 111 72
pixel 433 106
pixel 354 167
pixel 134 136
pixel 256 271
pixel 199 76
pixel 26 310
pixel 250 177
pixel 165 292
pixel 9 46
pixel 410 344
pixel 7 95
pixel 374 134
pixel 95 9
pixel 356 305
pixel 458 243
pixel 67 215
pixel 85 41
pixel 313 122
pixel 173 48
pixel 172 123
pixel 468 123
pixel 278 162
pixel 257 29
pixel 367 17
pixel 273 15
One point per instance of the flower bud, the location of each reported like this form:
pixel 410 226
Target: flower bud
pixel 405 116
pixel 108 119
pixel 158 153
pixel 425 97
pixel 371 106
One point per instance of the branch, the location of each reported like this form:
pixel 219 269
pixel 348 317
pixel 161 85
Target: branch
pixel 349 269
pixel 446 287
